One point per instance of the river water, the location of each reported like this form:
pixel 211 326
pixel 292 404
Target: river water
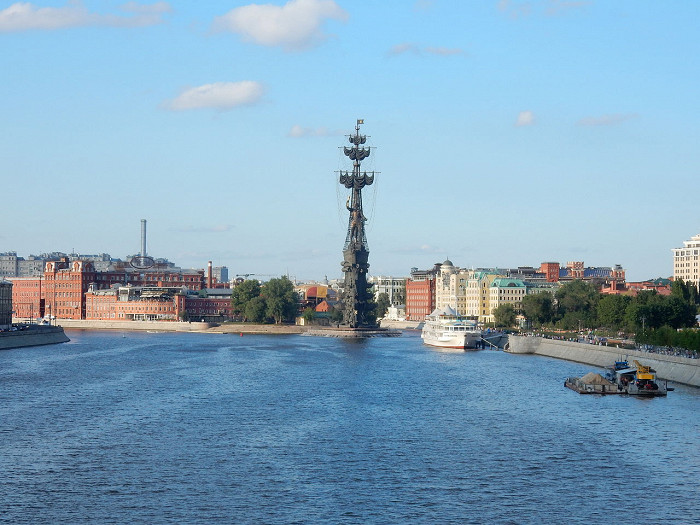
pixel 210 428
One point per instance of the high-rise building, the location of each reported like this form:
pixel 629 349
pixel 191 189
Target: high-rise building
pixel 685 261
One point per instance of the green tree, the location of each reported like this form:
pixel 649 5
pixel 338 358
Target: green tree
pixel 504 315
pixel 538 307
pixel 577 304
pixel 612 310
pixel 242 294
pixel 308 315
pixel 336 313
pixel 281 300
pixel 382 304
pixel 680 313
pixel 255 310
pixel 648 311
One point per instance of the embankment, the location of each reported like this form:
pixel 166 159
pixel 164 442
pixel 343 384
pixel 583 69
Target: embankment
pixel 678 369
pixel 178 326
pixel 33 336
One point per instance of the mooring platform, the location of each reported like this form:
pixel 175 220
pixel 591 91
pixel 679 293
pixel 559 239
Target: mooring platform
pixel 353 333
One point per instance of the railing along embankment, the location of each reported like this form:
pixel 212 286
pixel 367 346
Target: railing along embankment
pixel 673 368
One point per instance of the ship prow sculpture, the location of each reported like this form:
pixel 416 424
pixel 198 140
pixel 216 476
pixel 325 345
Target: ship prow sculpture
pixel 357 304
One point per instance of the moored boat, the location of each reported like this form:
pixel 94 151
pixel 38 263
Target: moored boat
pixel 445 328
pixel 638 380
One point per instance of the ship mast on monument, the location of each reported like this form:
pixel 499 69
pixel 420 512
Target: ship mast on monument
pixel 356 298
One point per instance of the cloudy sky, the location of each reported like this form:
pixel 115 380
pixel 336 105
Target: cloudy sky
pixel 507 132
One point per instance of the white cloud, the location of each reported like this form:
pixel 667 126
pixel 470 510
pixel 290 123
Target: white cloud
pixel 423 5
pixel 219 95
pixel 444 51
pixel 25 16
pixel 607 120
pixel 295 25
pixel 405 47
pixel 525 118
pixel 515 9
pixel 299 132
pixel 408 47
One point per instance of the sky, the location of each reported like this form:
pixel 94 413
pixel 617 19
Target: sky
pixel 505 133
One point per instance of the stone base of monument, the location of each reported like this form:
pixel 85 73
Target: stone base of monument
pixel 353 333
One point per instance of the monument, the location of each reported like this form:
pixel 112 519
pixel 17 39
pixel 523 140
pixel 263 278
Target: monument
pixel 358 321
pixel 356 297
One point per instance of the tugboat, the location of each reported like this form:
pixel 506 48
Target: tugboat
pixel 639 380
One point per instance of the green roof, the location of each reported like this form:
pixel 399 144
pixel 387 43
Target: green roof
pixel 505 283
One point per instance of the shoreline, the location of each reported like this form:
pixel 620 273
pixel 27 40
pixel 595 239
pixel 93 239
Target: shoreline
pixel 672 368
pixel 180 326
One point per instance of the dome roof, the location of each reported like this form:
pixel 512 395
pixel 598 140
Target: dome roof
pixel 447 263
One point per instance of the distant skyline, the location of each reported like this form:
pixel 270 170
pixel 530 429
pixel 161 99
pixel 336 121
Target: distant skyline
pixel 507 132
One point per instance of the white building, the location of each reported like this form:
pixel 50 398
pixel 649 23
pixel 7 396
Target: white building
pixel 394 287
pixel 685 261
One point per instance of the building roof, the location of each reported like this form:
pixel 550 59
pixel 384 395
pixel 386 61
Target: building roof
pixel 507 283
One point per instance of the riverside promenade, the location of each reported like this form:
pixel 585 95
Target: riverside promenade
pixel 673 368
pixel 181 326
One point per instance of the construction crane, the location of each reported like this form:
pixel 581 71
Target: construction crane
pixel 643 372
pixel 246 275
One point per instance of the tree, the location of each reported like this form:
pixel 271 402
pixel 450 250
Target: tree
pixel 280 299
pixel 242 294
pixel 577 304
pixel 382 304
pixel 612 310
pixel 308 315
pixel 504 315
pixel 255 310
pixel 538 307
pixel 680 313
pixel 648 311
pixel 336 313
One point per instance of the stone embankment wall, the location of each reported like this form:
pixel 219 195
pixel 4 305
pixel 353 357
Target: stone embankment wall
pixel 401 325
pixel 156 326
pixel 179 326
pixel 678 369
pixel 47 335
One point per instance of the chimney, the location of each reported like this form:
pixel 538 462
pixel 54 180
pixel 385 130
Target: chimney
pixel 143 237
pixel 209 277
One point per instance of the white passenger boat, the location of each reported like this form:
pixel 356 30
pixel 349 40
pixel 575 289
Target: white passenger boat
pixel 445 328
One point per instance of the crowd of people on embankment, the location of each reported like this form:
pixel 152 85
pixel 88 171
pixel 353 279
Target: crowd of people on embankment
pixel 668 350
pixel 663 350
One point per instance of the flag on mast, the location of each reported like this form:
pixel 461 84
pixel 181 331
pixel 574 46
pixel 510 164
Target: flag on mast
pixel 360 121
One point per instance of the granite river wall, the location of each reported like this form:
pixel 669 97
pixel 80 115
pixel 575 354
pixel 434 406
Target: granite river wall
pixel 33 336
pixel 673 368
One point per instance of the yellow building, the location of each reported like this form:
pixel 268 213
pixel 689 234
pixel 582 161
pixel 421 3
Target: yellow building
pixel 506 291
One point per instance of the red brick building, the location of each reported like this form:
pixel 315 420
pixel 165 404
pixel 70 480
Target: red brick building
pixel 551 271
pixel 61 290
pixel 420 299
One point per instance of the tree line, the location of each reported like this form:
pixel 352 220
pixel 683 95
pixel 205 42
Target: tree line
pixel 654 318
pixel 274 301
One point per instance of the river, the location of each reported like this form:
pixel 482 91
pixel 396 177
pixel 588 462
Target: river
pixel 210 428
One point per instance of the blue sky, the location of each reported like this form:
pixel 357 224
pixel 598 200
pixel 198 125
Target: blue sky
pixel 507 133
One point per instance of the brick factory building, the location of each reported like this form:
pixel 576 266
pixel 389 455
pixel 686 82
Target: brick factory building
pixel 62 289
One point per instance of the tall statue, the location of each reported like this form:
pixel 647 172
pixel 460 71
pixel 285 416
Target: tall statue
pixel 356 298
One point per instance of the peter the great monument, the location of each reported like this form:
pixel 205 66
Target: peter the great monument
pixel 356 300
